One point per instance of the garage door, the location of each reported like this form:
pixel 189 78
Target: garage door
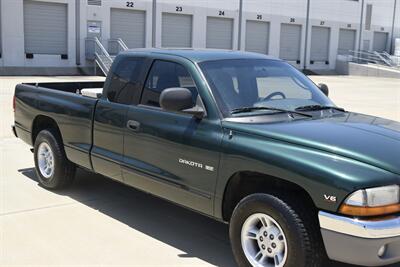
pixel 176 30
pixel 219 33
pixel 320 38
pixel 347 41
pixel 290 42
pixel 380 41
pixel 129 25
pixel 257 36
pixel 45 28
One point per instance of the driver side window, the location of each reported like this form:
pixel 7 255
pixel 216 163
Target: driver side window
pixel 163 75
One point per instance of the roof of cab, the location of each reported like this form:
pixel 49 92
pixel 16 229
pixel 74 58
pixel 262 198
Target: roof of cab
pixel 199 55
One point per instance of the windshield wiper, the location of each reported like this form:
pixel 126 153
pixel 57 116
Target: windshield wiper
pixel 318 107
pixel 250 109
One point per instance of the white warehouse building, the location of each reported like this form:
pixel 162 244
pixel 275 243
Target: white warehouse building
pixel 50 36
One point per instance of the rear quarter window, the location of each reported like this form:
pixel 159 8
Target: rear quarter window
pixel 124 85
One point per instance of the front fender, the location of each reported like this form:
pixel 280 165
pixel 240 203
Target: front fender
pixel 321 174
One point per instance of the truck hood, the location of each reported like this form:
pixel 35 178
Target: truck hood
pixel 368 139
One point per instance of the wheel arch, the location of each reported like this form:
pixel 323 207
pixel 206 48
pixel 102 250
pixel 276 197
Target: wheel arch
pixel 244 183
pixel 42 122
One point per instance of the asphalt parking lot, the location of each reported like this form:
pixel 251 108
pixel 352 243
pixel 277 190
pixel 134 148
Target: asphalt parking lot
pixel 98 222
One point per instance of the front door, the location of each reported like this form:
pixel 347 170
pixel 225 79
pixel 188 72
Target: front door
pixel 172 155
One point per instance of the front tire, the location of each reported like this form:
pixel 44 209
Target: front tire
pixel 53 169
pixel 267 232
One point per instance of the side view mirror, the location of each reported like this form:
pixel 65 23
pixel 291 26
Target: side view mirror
pixel 179 99
pixel 324 88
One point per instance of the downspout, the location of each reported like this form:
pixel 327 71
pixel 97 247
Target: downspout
pixel 394 20
pixel 361 26
pixel 78 32
pixel 306 38
pixel 240 24
pixel 154 21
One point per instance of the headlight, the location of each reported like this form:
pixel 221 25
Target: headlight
pixel 373 202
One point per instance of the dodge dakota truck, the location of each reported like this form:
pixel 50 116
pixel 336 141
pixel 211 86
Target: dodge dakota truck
pixel 241 137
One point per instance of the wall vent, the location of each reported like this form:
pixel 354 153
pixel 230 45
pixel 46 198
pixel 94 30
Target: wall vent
pixel 94 2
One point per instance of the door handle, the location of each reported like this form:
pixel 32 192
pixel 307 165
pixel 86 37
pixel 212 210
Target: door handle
pixel 133 125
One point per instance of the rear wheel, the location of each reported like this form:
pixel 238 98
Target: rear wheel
pixel 53 169
pixel 266 231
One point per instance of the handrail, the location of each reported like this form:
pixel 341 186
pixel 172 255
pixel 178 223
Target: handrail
pixel 96 51
pixel 103 50
pixel 368 56
pixel 395 60
pixel 121 46
pixel 385 59
pixel 371 57
pixel 102 66
pixel 386 54
pixel 122 43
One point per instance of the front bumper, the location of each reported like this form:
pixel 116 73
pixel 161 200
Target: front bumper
pixel 367 243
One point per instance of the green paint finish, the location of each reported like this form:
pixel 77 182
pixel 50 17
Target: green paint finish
pixel 190 161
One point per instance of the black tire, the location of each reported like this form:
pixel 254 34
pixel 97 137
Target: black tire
pixel 64 170
pixel 304 242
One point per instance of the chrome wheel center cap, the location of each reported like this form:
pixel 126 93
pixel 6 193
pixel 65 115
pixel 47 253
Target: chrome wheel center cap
pixel 268 241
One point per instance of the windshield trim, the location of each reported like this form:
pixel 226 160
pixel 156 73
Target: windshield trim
pixel 209 89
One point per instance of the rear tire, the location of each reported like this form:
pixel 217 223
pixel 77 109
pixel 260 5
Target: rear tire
pixel 295 240
pixel 53 169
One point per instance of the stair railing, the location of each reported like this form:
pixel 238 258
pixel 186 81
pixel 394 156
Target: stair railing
pixel 116 46
pixel 95 51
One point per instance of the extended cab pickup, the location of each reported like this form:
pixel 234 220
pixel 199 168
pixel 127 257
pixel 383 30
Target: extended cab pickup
pixel 241 137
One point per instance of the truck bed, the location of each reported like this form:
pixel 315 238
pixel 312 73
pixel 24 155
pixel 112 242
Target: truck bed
pixel 70 87
pixel 62 102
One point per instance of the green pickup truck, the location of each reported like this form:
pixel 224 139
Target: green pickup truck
pixel 241 137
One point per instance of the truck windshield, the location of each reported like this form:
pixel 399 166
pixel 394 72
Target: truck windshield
pixel 240 84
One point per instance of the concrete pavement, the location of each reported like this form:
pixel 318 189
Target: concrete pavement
pixel 370 95
pixel 98 222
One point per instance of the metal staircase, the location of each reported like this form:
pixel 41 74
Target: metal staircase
pixel 116 46
pixel 373 57
pixel 96 52
pixel 393 60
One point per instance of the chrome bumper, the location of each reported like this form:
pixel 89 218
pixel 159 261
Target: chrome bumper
pixel 354 241
pixel 359 228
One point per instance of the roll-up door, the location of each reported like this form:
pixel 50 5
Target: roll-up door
pixel 257 36
pixel 176 30
pixel 320 38
pixel 219 33
pixel 380 41
pixel 129 25
pixel 45 28
pixel 290 42
pixel 347 41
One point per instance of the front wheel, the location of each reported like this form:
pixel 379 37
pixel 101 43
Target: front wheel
pixel 267 232
pixel 53 169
